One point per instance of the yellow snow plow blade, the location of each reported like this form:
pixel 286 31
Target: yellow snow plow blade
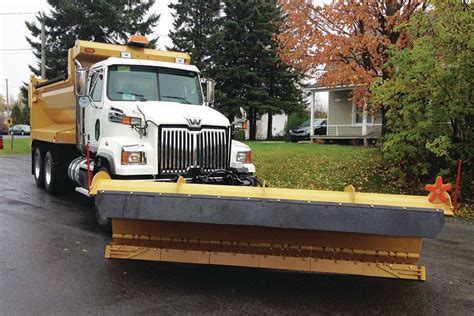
pixel 316 231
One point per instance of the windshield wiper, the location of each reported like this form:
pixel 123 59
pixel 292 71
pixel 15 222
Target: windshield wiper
pixel 181 99
pixel 139 96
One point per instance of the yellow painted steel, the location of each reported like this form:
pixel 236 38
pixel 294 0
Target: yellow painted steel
pixel 91 52
pixel 348 196
pixel 263 247
pixel 53 107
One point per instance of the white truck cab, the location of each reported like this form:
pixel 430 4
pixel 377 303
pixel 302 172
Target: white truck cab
pixel 150 119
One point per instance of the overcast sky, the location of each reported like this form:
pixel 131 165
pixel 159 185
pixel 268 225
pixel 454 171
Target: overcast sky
pixel 14 64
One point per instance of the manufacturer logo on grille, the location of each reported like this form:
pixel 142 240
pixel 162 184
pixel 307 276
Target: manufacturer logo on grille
pixel 194 121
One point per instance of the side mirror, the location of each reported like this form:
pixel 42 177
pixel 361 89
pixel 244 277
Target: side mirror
pixel 81 80
pixel 210 90
pixel 240 123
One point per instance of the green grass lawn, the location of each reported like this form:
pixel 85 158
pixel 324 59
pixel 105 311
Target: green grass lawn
pixel 324 167
pixel 20 146
pixel 303 166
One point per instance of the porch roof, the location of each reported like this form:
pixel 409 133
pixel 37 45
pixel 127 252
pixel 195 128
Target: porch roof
pixel 316 88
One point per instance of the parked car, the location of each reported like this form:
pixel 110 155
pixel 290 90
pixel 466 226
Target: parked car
pixel 19 129
pixel 1 141
pixel 301 132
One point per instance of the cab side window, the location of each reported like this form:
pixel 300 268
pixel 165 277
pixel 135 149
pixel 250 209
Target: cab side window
pixel 96 87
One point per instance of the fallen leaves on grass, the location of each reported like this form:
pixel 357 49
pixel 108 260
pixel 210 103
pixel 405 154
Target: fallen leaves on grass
pixel 322 167
pixel 327 167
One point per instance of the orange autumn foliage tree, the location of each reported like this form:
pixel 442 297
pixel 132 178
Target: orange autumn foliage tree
pixel 348 38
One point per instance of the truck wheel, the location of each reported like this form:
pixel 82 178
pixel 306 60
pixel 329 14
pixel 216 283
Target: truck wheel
pixel 104 223
pixel 53 179
pixel 38 168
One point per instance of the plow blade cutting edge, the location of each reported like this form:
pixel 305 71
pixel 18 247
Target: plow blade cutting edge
pixel 316 231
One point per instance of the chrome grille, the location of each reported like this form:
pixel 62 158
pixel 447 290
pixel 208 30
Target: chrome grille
pixel 181 149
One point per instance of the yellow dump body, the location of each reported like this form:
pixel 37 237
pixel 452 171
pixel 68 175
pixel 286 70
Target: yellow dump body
pixel 53 106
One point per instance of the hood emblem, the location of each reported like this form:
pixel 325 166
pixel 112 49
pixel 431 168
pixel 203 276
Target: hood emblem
pixel 194 121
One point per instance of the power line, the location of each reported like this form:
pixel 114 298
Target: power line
pixel 17 13
pixel 14 49
pixel 160 34
pixel 16 53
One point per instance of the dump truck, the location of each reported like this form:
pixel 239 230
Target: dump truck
pixel 135 129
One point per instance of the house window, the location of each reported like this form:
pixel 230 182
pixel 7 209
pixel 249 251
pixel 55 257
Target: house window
pixel 357 114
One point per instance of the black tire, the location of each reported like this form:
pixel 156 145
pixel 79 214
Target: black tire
pixel 105 223
pixel 55 165
pixel 55 175
pixel 38 168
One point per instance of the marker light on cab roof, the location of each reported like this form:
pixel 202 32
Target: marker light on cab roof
pixel 138 40
pixel 125 55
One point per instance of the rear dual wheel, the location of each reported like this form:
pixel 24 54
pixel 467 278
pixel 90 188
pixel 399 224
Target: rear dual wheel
pixel 52 180
pixel 50 172
pixel 38 169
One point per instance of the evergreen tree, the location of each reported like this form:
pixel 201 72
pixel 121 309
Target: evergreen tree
pixel 25 114
pixel 17 115
pixel 110 21
pixel 194 26
pixel 248 70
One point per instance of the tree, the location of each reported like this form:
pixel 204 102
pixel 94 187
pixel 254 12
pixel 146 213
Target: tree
pixel 109 21
pixel 350 39
pixel 25 114
pixel 2 104
pixel 248 71
pixel 430 98
pixel 17 115
pixel 195 24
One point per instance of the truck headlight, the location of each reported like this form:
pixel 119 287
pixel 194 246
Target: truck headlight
pixel 133 158
pixel 244 156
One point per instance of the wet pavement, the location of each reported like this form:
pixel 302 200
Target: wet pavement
pixel 52 262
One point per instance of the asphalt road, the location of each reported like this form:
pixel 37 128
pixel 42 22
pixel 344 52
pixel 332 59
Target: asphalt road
pixel 52 262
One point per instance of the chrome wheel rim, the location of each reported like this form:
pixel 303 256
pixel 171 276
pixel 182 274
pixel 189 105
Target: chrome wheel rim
pixel 47 171
pixel 37 165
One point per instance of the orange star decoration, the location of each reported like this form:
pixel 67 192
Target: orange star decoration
pixel 438 191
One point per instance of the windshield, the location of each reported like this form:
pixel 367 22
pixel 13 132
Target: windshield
pixel 140 83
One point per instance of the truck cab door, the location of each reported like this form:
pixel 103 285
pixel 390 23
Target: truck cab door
pixel 93 113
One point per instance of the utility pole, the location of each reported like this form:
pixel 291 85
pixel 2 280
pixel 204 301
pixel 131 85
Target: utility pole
pixel 43 44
